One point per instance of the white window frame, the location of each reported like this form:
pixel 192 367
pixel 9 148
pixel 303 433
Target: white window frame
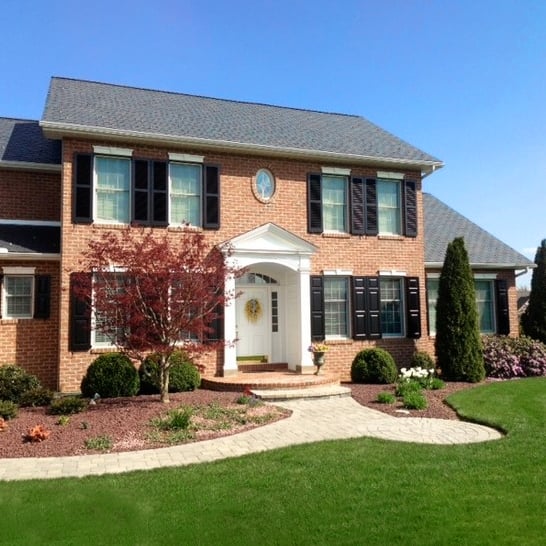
pixel 382 209
pixel 189 164
pixel 345 180
pixel 124 155
pixel 347 300
pixel 402 303
pixel 17 272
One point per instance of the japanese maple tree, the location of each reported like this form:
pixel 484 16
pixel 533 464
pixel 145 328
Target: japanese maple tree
pixel 156 294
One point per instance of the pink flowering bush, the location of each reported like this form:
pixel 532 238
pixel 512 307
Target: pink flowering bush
pixel 506 357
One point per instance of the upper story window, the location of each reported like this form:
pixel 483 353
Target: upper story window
pixel 185 194
pixel 361 206
pixel 389 211
pixel 122 189
pixel 112 186
pixel 334 203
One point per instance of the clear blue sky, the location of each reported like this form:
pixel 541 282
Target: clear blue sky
pixel 464 80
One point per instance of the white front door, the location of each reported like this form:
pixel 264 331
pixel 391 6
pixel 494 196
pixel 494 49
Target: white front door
pixel 254 322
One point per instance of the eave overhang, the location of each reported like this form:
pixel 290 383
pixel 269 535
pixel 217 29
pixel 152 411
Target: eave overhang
pixel 28 166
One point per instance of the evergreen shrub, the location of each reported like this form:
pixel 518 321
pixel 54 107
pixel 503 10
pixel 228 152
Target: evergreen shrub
pixel 15 381
pixel 110 375
pixel 373 366
pixel 183 375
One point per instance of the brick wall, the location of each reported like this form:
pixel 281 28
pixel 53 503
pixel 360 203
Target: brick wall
pixel 29 195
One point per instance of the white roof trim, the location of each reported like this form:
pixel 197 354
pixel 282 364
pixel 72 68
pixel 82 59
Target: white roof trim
pixel 28 166
pixel 44 223
pixel 28 256
pixel 439 265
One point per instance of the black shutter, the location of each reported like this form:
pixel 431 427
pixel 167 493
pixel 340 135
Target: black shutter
pixel 360 327
pixel 211 197
pixel 42 296
pixel 503 315
pixel 217 326
pixel 317 308
pixel 160 210
pixel 357 206
pixel 373 305
pixel 82 189
pixel 314 203
pixel 410 209
pixel 413 308
pixel 1 279
pixel 371 207
pixel 141 203
pixel 80 318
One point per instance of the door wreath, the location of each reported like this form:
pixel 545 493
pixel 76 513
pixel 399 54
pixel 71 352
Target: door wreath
pixel 253 310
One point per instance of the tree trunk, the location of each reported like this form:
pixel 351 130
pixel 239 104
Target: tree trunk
pixel 164 380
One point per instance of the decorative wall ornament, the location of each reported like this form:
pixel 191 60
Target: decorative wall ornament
pixel 253 310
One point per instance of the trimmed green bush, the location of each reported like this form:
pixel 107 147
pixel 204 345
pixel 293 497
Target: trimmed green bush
pixel 38 396
pixel 420 359
pixel 8 409
pixel 373 366
pixel 14 381
pixel 67 405
pixel 110 375
pixel 183 375
pixel 415 400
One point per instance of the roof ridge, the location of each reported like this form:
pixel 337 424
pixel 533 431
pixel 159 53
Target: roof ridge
pixel 233 101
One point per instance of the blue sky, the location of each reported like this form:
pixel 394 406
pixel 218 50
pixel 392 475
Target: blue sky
pixel 464 80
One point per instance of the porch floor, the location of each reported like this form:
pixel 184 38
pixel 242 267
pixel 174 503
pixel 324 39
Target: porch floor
pixel 269 381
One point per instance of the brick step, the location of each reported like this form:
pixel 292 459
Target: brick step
pixel 257 367
pixel 311 393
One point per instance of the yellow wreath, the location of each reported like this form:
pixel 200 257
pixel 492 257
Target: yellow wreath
pixel 253 310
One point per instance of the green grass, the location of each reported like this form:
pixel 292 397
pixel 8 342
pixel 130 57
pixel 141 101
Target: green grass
pixel 361 491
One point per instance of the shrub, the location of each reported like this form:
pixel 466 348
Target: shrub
pixel 177 419
pixel 8 409
pixel 183 375
pixel 436 384
pixel 373 366
pixel 14 381
pixel 386 398
pixel 415 400
pixel 110 375
pixel 507 357
pixel 38 396
pixel 406 386
pixel 68 405
pixel 420 359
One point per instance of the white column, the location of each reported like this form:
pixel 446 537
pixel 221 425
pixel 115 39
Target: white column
pixel 230 334
pixel 305 359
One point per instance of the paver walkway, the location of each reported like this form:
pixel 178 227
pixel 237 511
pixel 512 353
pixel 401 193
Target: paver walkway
pixel 311 421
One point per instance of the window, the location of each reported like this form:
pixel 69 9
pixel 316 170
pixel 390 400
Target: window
pixel 388 206
pixel 18 296
pixel 185 194
pixel 112 176
pixel 491 304
pixel 105 331
pixel 336 307
pixel 334 203
pixel 391 307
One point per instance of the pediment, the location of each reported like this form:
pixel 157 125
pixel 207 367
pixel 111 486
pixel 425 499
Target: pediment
pixel 271 239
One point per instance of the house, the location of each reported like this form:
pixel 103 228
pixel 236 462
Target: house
pixel 326 211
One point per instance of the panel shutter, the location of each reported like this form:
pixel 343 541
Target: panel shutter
pixel 373 305
pixel 317 308
pixel 80 317
pixel 360 327
pixel 413 308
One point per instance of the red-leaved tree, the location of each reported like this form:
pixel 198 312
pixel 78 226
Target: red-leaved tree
pixel 153 294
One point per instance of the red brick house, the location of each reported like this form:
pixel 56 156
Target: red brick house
pixel 326 212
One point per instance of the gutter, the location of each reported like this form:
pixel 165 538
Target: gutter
pixel 58 130
pixel 28 166
pixel 514 266
pixel 29 256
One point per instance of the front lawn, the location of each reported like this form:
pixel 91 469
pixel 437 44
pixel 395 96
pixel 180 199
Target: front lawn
pixel 361 491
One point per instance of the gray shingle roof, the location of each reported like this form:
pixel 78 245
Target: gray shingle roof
pixel 30 239
pixel 443 224
pixel 84 104
pixel 22 140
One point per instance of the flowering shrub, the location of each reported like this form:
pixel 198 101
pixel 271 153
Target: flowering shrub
pixel 506 357
pixel 318 348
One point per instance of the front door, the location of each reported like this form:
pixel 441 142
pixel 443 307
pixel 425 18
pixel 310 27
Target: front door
pixel 253 322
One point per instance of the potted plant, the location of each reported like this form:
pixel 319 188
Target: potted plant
pixel 318 350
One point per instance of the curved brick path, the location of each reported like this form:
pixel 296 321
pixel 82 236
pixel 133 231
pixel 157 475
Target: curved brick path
pixel 311 421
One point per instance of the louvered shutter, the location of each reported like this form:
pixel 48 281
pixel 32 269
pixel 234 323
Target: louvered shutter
pixel 1 280
pixel 317 308
pixel 360 327
pixel 314 203
pixel 371 207
pixel 410 209
pixel 160 197
pixel 211 197
pixel 42 296
pixel 413 308
pixel 357 206
pixel 141 191
pixel 503 315
pixel 82 188
pixel 373 307
pixel 80 318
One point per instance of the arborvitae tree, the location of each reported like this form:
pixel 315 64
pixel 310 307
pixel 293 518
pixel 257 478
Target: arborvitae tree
pixel 533 321
pixel 458 343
